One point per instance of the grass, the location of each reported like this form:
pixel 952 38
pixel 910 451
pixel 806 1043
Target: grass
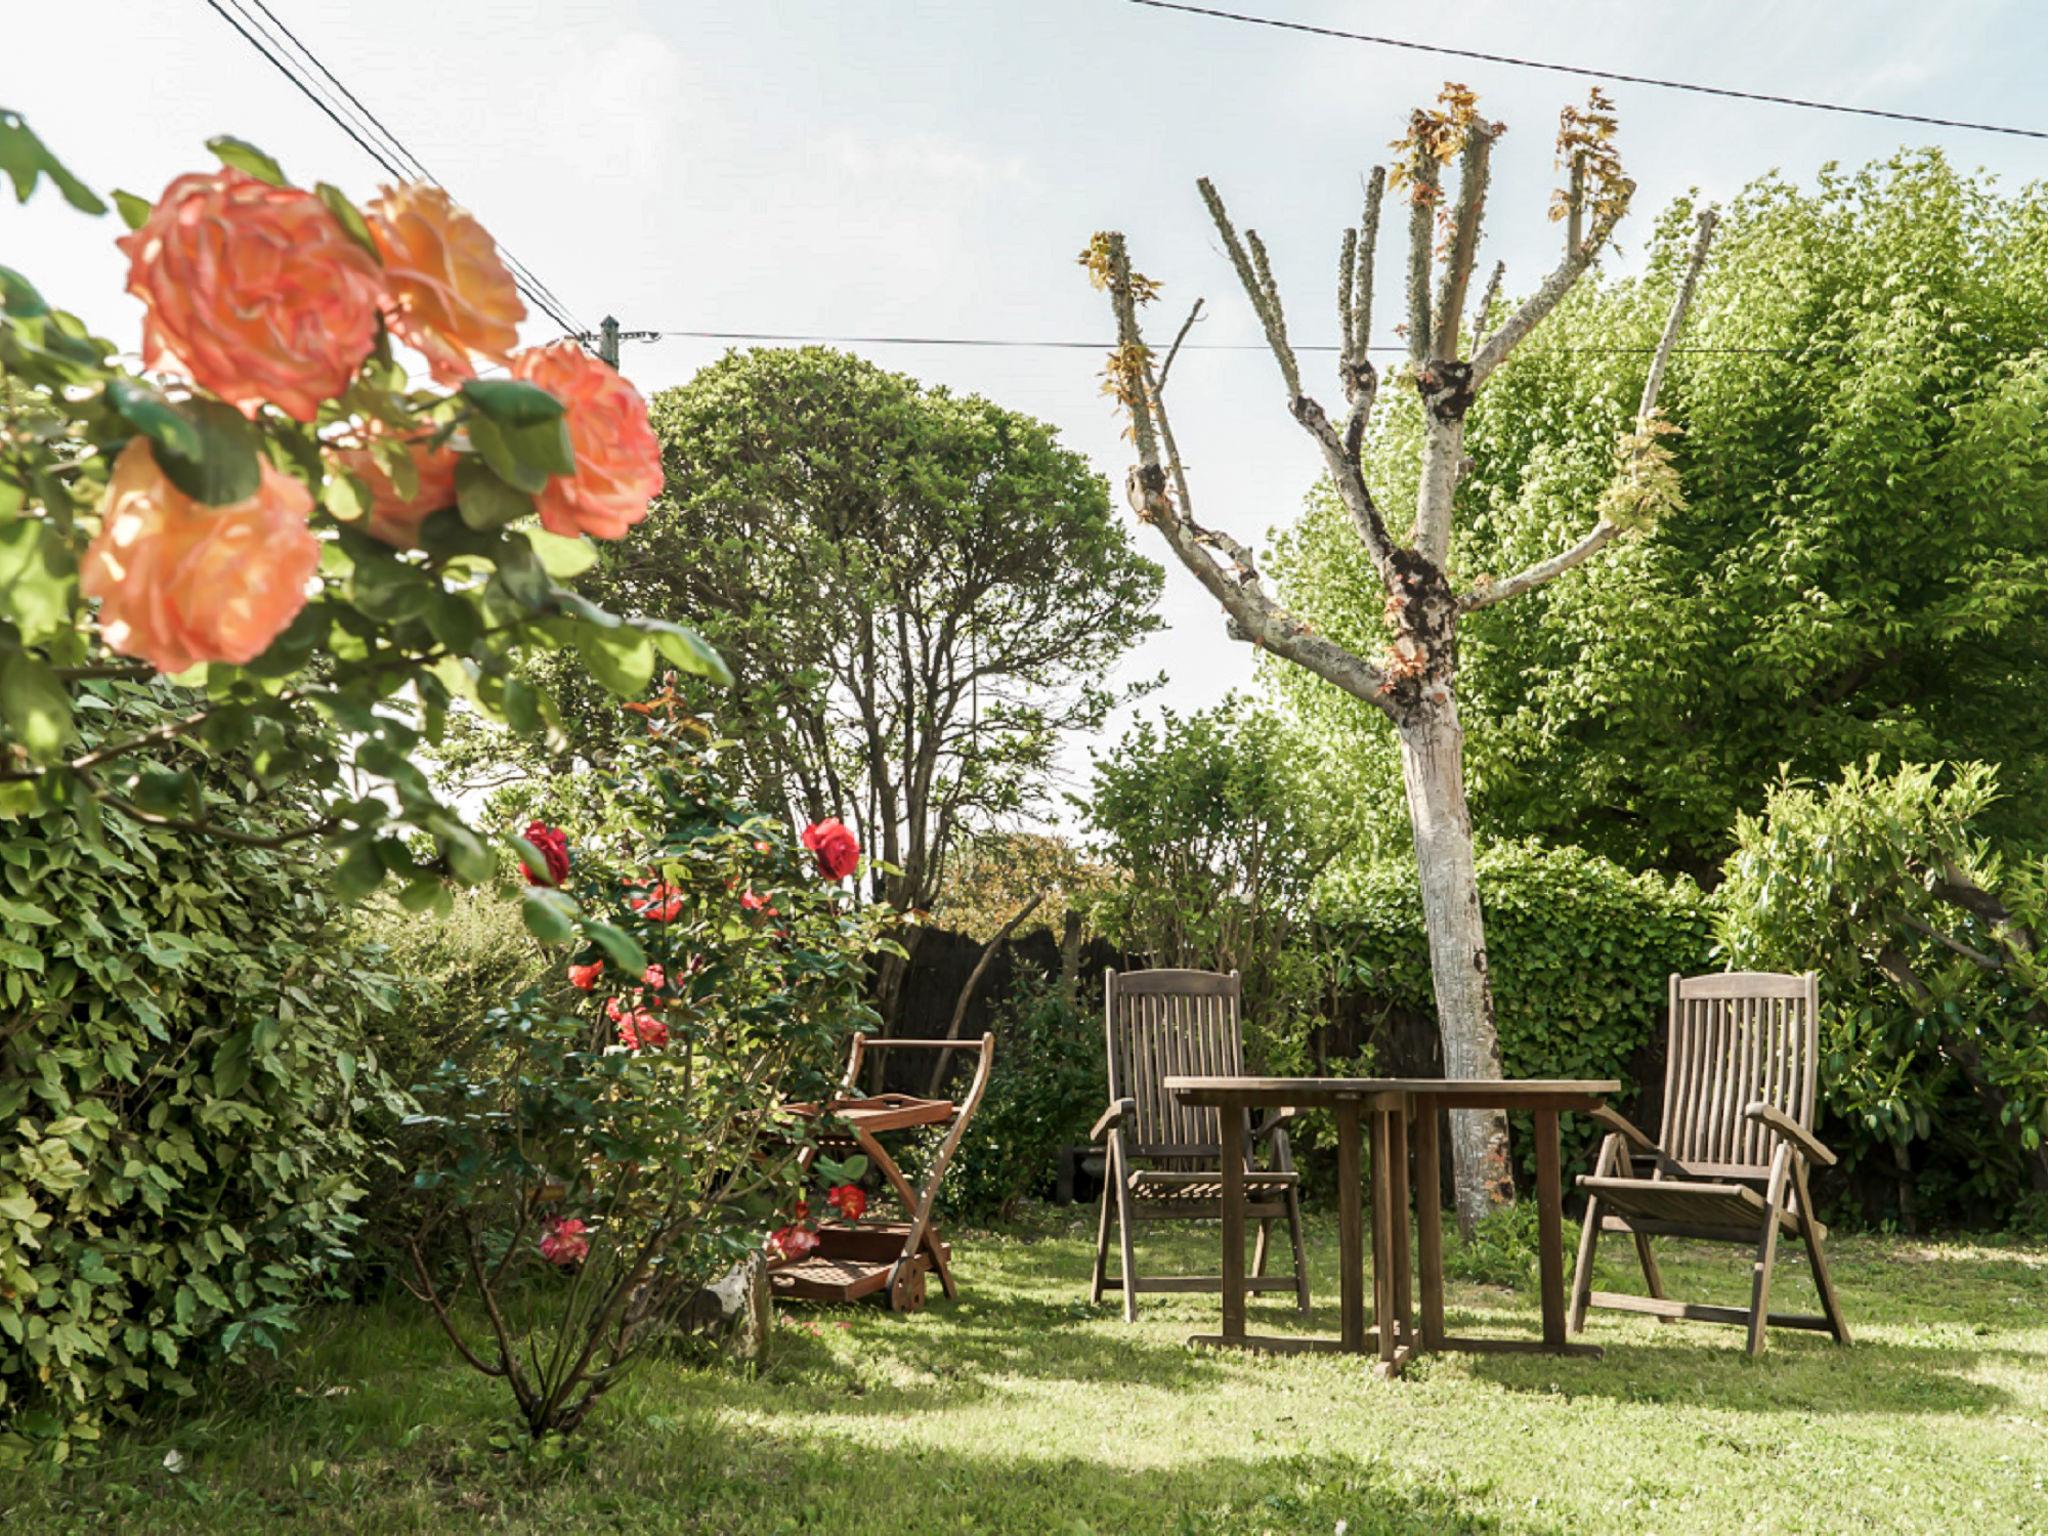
pixel 1023 1409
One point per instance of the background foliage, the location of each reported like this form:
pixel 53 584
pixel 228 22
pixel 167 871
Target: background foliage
pixel 1860 566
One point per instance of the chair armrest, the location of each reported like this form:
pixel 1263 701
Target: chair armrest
pixel 1620 1124
pixel 1111 1118
pixel 1783 1126
pixel 1274 1121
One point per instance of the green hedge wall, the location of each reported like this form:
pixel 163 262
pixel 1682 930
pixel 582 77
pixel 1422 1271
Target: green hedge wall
pixel 1580 950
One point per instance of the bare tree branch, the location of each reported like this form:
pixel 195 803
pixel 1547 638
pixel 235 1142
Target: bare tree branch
pixel 1604 531
pixel 1174 351
pixel 1494 351
pixel 1354 315
pixel 1486 299
pixel 1463 255
pixel 1421 236
pixel 1258 286
pixel 1232 580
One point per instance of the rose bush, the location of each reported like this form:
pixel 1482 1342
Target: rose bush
pixel 280 520
pixel 587 1170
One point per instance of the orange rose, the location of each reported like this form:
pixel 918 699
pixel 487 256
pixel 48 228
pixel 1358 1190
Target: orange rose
pixel 450 293
pixel 394 518
pixel 254 291
pixel 618 461
pixel 180 583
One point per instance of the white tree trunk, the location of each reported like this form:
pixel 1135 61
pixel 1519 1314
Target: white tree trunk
pixel 1432 762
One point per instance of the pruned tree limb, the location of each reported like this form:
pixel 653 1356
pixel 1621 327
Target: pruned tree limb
pixel 1463 255
pixel 1604 531
pixel 1421 237
pixel 1232 580
pixel 1495 349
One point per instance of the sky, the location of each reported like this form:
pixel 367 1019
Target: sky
pixel 932 168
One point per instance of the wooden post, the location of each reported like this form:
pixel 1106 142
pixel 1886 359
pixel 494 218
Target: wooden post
pixel 1383 1240
pixel 1429 1226
pixel 1350 1230
pixel 1550 1227
pixel 1397 1178
pixel 1233 1224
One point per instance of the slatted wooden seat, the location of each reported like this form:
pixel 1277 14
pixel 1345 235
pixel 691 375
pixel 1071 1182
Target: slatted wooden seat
pixel 1732 1163
pixel 1165 1157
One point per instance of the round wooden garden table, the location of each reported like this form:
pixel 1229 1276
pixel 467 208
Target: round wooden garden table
pixel 1388 1108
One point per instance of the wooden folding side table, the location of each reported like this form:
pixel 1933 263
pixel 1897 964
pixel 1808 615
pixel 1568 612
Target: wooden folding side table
pixel 856 1259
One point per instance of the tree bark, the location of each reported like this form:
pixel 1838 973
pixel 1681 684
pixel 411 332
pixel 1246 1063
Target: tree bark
pixel 1432 763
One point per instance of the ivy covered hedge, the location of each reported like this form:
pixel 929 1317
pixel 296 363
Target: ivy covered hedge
pixel 1580 950
pixel 182 1072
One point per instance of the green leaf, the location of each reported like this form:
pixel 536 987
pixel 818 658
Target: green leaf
pixel 18 296
pixel 619 947
pixel 685 649
pixel 25 157
pixel 622 660
pixel 360 871
pixel 490 441
pixel 227 467
pixel 562 558
pixel 530 856
pixel 134 210
pixel 522 707
pixel 156 418
pixel 35 706
pixel 512 402
pixel 348 216
pixel 484 500
pixel 38 578
pixel 244 156
pixel 550 914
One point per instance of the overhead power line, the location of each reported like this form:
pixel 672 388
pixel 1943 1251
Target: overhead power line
pixel 1589 74
pixel 397 161
pixel 1107 345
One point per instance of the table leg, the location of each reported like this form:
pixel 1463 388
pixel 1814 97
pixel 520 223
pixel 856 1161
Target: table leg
pixel 1233 1225
pixel 1550 1227
pixel 1397 1174
pixel 1429 1223
pixel 1350 1232
pixel 1383 1239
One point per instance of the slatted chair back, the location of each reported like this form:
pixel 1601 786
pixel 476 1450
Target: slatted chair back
pixel 1735 1040
pixel 1163 1024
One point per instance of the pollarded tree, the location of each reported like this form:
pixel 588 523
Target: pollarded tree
pixel 1413 681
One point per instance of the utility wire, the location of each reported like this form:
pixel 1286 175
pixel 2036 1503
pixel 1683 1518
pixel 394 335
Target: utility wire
pixel 1585 73
pixel 1191 346
pixel 540 297
pixel 371 120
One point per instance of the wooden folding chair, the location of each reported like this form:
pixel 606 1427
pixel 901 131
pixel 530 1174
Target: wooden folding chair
pixel 1732 1163
pixel 1164 1158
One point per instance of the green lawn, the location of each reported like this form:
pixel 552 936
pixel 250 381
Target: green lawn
pixel 1023 1409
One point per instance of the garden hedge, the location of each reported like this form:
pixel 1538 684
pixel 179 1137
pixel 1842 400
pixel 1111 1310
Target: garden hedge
pixel 1580 950
pixel 181 1075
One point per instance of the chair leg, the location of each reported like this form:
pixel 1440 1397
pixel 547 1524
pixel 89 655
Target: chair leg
pixel 1123 1229
pixel 1101 1246
pixel 1816 1258
pixel 1582 1271
pixel 1300 1260
pixel 1653 1278
pixel 1760 1288
pixel 1259 1247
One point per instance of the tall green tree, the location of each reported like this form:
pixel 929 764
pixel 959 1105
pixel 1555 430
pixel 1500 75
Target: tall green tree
pixel 918 592
pixel 1862 563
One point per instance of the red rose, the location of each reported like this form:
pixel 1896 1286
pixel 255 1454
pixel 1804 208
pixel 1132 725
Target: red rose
pixel 584 977
pixel 658 904
pixel 553 844
pixel 564 1242
pixel 838 853
pixel 850 1200
pixel 791 1242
